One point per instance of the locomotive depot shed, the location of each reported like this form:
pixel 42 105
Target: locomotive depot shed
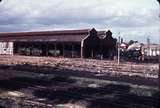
pixel 86 43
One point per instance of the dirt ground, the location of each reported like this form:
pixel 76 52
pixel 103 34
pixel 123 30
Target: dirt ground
pixel 47 82
pixel 32 90
pixel 90 65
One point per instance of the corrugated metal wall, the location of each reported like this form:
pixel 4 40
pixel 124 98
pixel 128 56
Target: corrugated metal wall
pixel 6 48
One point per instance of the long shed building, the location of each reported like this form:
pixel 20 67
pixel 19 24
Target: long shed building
pixel 86 43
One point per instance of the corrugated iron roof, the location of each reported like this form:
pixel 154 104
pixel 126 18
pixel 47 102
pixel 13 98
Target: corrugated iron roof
pixel 58 32
pixel 65 35
pixel 59 35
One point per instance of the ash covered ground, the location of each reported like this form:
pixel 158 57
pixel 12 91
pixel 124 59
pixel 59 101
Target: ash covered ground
pixel 47 82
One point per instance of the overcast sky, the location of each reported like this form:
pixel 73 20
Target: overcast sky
pixel 134 19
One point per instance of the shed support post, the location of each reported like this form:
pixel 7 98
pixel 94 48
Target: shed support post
pixel 31 49
pixel 82 56
pixel 82 49
pixel 46 49
pixel 92 53
pixel 63 50
pixel 55 49
pixel 72 50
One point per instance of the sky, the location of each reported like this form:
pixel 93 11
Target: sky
pixel 133 19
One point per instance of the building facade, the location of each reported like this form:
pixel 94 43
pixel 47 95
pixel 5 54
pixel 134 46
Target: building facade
pixel 6 48
pixel 87 43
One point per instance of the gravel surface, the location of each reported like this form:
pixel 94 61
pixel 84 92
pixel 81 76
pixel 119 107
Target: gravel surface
pixel 96 66
pixel 25 84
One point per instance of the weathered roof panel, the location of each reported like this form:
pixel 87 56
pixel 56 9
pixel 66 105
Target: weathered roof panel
pixel 61 36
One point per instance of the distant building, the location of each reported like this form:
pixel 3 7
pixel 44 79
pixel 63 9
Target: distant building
pixel 87 43
pixel 151 52
pixel 6 48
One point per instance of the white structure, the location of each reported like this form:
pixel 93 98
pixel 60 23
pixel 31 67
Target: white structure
pixel 151 50
pixel 6 48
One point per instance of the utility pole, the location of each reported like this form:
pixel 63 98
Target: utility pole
pixel 159 47
pixel 119 39
pixel 148 46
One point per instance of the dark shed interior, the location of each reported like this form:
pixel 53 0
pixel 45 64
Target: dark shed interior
pixel 87 43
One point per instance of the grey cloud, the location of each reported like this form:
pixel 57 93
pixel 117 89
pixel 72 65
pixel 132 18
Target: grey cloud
pixel 67 15
pixel 13 28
